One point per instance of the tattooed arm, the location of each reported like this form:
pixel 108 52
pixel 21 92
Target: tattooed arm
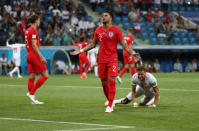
pixel 88 47
pixel 128 48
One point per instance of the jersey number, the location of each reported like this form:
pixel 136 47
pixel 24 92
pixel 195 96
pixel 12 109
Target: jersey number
pixel 114 68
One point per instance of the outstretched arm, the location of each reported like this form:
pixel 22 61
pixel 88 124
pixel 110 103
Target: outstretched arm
pixel 7 44
pixel 75 44
pixel 134 96
pixel 88 47
pixel 22 45
pixel 157 95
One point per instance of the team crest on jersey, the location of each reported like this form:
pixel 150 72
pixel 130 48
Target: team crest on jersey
pixel 110 34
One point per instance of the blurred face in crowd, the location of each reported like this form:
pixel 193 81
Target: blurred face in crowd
pixel 3 55
pixel 106 18
pixel 141 75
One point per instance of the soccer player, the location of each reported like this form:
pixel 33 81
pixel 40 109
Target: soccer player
pixel 4 62
pixel 36 62
pixel 83 60
pixel 16 48
pixel 92 56
pixel 143 83
pixel 108 36
pixel 127 64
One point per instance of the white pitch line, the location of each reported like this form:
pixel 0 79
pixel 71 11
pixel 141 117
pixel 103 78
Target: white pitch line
pixel 97 87
pixel 91 129
pixel 72 123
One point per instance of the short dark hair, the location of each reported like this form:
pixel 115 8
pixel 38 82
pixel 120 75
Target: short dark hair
pixel 141 68
pixel 110 13
pixel 33 18
pixel 130 30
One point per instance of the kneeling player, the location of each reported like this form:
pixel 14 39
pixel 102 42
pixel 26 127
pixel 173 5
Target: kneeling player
pixel 143 83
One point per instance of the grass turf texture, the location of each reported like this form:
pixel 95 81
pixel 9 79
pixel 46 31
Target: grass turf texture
pixel 70 99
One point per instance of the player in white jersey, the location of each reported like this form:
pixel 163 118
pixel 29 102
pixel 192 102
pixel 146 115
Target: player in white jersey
pixel 16 48
pixel 92 57
pixel 3 63
pixel 143 83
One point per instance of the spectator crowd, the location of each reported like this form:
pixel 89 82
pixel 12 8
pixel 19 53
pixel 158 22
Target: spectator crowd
pixel 61 21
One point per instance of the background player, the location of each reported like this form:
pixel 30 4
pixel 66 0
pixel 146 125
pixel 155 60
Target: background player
pixel 127 64
pixel 92 56
pixel 143 83
pixel 83 60
pixel 36 62
pixel 108 36
pixel 4 63
pixel 16 48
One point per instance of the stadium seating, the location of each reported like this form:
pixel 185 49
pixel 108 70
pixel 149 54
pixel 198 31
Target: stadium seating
pixel 117 20
pixel 144 35
pixel 185 41
pixel 161 40
pixel 126 25
pixel 153 40
pixel 176 41
pixel 125 19
pixel 193 41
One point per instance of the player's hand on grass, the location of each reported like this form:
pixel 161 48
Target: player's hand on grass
pixel 152 106
pixel 135 104
pixel 75 52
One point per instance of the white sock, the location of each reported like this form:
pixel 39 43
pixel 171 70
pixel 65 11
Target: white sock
pixel 18 72
pixel 96 70
pixel 118 101
pixel 15 69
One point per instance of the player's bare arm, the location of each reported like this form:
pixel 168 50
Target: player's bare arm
pixel 36 49
pixel 134 96
pixel 7 44
pixel 129 49
pixel 157 95
pixel 88 47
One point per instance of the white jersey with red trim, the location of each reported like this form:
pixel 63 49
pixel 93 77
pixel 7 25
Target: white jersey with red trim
pixel 16 49
pixel 147 85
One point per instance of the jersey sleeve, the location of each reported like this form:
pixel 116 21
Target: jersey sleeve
pixel 120 38
pixel 95 38
pixel 33 35
pixel 134 80
pixel 132 41
pixel 23 45
pixel 153 81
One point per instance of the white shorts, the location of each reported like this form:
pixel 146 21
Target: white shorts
pixel 17 61
pixel 93 62
pixel 146 100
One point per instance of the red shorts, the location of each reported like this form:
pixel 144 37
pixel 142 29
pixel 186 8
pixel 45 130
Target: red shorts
pixel 107 70
pixel 35 65
pixel 83 60
pixel 126 59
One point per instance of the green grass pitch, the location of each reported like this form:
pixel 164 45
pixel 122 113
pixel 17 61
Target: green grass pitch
pixel 72 104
